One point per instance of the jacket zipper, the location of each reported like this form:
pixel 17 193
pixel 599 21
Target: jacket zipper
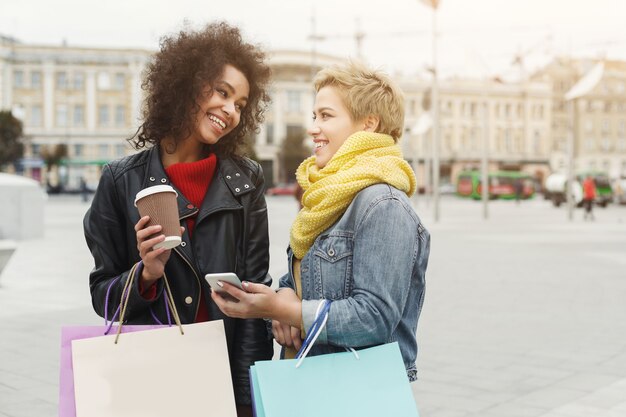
pixel 197 279
pixel 193 213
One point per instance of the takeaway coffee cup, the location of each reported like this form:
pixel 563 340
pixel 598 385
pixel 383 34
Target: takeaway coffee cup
pixel 159 202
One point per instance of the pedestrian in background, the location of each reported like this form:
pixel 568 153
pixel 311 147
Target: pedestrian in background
pixel 205 91
pixel 589 195
pixel 84 190
pixel 357 240
pixel 518 186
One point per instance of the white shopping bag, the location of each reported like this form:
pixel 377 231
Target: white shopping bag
pixel 155 373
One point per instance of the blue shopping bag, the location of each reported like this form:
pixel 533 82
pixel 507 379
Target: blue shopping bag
pixel 370 382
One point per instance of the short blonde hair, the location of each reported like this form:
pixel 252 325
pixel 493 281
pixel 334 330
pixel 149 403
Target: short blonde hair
pixel 366 92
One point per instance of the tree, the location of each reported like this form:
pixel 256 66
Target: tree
pixel 292 153
pixel 248 148
pixel 11 132
pixel 52 156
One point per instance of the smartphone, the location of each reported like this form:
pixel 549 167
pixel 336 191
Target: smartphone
pixel 228 277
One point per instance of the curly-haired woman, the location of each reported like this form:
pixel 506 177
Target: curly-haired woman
pixel 205 91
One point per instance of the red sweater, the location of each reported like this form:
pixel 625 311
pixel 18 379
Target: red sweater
pixel 192 179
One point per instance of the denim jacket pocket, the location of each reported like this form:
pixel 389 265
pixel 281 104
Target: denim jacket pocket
pixel 333 266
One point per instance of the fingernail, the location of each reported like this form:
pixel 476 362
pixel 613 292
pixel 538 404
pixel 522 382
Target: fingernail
pixel 220 283
pixel 245 283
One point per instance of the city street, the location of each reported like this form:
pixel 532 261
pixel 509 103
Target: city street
pixel 524 316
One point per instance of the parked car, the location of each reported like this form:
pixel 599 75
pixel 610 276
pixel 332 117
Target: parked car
pixel 282 189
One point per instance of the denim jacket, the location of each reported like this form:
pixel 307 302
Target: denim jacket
pixel 372 264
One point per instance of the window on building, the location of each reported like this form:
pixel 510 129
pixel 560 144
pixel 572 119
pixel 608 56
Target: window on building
pixel 473 139
pixel 598 105
pixel 295 131
pixel 79 115
pixel 589 144
pixel 619 87
pixel 508 141
pixel 606 144
pixel 78 150
pixel 103 150
pixel 35 149
pixel 537 142
pixel 592 165
pixel 120 115
pixel 293 101
pixel 606 126
pixel 61 116
pixel 79 80
pixel 463 138
pixel 606 165
pixel 18 79
pixel 103 115
pixel 120 150
pixel 61 80
pixel 270 133
pixel 447 141
pixel 120 81
pixel 104 81
pixel 36 116
pixel 623 168
pixel 621 144
pixel 35 79
pixel 621 127
pixel 588 126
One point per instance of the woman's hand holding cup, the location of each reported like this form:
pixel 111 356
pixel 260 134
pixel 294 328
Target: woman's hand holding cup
pixel 154 260
pixel 157 230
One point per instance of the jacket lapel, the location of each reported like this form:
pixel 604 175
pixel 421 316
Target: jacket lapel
pixel 229 183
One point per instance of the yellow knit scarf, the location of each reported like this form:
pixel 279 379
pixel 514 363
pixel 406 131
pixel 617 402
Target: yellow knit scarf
pixel 364 159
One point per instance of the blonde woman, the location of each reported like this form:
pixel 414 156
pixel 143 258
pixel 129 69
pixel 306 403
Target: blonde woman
pixel 357 240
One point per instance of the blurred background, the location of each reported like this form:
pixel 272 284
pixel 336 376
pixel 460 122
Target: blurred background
pixel 503 69
pixel 524 313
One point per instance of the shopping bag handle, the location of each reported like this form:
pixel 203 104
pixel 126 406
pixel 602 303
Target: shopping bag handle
pixel 321 317
pixel 132 276
pixel 109 325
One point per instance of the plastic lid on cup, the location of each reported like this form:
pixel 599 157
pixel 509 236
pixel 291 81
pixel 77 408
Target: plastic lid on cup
pixel 153 190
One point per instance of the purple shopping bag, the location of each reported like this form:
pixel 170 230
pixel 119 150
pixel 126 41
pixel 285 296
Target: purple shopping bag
pixel 67 406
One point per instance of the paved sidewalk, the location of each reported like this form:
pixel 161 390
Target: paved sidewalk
pixel 524 314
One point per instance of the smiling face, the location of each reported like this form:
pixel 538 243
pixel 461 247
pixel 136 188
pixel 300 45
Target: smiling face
pixel 332 125
pixel 221 106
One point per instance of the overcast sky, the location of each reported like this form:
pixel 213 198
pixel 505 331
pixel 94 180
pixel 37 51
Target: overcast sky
pixel 477 36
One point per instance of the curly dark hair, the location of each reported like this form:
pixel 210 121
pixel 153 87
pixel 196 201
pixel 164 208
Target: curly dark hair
pixel 175 78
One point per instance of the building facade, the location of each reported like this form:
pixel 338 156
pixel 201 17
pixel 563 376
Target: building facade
pixel 291 109
pixel 86 99
pixel 516 127
pixel 90 100
pixel 599 117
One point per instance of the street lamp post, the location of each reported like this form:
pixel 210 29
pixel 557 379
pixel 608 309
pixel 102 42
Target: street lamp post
pixel 434 4
pixel 484 176
pixel 583 87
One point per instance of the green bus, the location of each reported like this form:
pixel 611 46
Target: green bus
pixel 502 185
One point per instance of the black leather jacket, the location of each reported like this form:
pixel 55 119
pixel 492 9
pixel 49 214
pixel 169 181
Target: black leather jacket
pixel 230 235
